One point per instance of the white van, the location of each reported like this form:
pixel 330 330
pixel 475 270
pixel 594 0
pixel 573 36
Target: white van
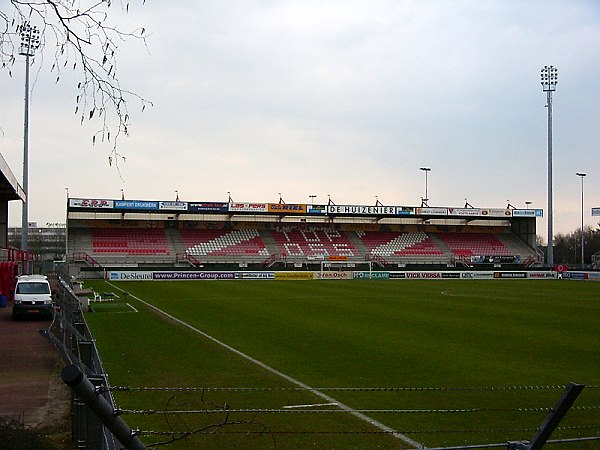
pixel 33 297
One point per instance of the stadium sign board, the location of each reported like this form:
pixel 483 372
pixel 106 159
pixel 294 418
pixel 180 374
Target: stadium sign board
pixel 464 212
pixel 90 203
pixel 432 211
pixel 248 207
pixel 316 209
pixel 496 212
pixel 362 210
pixel 528 213
pixel 173 206
pixel 287 208
pixel 208 207
pixel 136 204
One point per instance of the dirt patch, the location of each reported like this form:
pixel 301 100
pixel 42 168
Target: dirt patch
pixel 30 386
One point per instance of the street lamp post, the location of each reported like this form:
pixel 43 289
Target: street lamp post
pixel 426 198
pixel 582 176
pixel 312 198
pixel 30 42
pixel 549 79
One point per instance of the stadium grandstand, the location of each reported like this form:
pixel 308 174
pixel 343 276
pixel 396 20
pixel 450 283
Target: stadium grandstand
pixel 106 233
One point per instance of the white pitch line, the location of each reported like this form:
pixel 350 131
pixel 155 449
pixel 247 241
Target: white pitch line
pixel 288 378
pixel 132 307
pixel 310 405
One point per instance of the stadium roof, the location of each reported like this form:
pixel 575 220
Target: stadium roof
pixel 10 189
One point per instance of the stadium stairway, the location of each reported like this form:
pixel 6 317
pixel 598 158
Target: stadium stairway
pixel 174 242
pixel 441 245
pixel 516 246
pixel 269 242
pixel 358 243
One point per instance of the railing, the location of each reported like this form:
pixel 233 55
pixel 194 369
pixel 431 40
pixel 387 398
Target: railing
pixel 82 256
pixel 188 258
pixel 25 260
pixel 95 421
pixel 271 260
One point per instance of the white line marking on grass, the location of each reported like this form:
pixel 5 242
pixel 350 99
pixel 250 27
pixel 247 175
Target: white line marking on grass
pixel 288 378
pixel 310 405
pixel 135 310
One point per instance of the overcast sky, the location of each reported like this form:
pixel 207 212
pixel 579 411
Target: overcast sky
pixel 347 98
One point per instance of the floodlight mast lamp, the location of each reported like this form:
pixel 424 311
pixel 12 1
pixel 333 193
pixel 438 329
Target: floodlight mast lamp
pixel 582 176
pixel 549 79
pixel 30 42
pixel 426 198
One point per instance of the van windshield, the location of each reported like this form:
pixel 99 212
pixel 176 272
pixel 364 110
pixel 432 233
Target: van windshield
pixel 33 288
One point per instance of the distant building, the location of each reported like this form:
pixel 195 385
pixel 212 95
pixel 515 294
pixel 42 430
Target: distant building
pixel 47 243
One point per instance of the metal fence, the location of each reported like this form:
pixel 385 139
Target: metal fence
pixel 96 423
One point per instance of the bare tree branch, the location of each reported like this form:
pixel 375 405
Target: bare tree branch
pixel 84 40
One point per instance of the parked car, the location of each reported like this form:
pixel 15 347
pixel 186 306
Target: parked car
pixel 33 298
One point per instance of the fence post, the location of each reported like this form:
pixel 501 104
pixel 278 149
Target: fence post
pixel 94 430
pixel 79 418
pixel 552 420
pixel 76 380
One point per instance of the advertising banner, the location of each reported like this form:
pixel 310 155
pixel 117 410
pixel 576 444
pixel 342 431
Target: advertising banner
pixel 397 275
pixel 496 212
pixel 575 275
pixel 334 275
pixel 510 275
pixel 528 213
pixel 541 275
pixel 130 276
pixel 284 208
pixel 248 207
pixel 464 211
pixel 90 203
pixel 316 209
pixel 208 207
pixel 595 211
pixel 140 275
pixel 193 275
pixel 405 211
pixel 255 275
pixel 294 275
pixel 371 275
pixel 362 210
pixel 448 275
pixel 477 275
pixel 424 275
pixel 136 204
pixel 173 206
pixel 432 211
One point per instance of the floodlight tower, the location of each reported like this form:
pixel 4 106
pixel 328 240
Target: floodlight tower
pixel 582 176
pixel 30 42
pixel 549 79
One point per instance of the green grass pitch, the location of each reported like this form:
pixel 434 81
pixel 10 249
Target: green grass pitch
pixel 467 338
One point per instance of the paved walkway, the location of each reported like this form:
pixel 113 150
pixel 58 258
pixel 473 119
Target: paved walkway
pixel 30 386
